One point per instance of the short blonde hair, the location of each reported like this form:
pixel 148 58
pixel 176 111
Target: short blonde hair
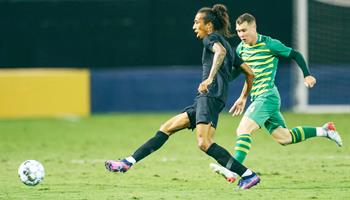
pixel 246 17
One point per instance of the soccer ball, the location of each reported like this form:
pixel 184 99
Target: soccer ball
pixel 31 172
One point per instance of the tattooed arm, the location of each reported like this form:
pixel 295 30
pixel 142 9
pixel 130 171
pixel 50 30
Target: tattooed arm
pixel 219 56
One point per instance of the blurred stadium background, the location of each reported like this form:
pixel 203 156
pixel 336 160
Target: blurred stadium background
pixel 78 57
pixel 81 59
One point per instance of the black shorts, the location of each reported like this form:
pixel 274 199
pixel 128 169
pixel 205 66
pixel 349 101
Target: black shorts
pixel 204 110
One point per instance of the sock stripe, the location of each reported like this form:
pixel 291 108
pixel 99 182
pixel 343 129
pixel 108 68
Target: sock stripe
pixel 247 136
pixel 302 133
pixel 245 139
pixel 247 144
pixel 223 157
pixel 242 149
pixel 243 146
pixel 293 136
pixel 297 135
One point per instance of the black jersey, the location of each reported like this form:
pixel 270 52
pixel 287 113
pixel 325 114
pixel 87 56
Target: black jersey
pixel 228 70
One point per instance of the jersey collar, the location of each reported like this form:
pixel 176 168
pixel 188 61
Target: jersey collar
pixel 259 38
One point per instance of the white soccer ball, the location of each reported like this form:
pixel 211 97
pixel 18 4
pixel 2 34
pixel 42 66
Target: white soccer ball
pixel 31 172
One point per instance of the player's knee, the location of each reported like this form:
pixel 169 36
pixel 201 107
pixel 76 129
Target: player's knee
pixel 204 145
pixel 242 130
pixel 239 131
pixel 163 128
pixel 166 129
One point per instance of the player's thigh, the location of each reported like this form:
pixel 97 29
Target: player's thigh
pixel 254 117
pixel 247 126
pixel 207 115
pixel 176 123
pixel 275 121
pixel 207 110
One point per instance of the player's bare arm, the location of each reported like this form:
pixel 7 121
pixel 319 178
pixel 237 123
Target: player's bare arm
pixel 248 80
pixel 219 55
pixel 239 105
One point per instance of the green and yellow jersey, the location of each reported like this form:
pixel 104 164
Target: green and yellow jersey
pixel 263 60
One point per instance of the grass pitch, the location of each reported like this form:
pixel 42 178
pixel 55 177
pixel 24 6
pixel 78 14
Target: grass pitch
pixel 73 152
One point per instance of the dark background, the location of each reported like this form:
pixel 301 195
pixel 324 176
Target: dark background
pixel 120 33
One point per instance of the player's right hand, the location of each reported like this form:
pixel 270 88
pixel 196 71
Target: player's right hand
pixel 309 81
pixel 238 107
pixel 204 86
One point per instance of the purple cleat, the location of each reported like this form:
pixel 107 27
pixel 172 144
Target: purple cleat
pixel 248 181
pixel 118 165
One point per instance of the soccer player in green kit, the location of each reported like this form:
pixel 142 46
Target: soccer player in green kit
pixel 261 53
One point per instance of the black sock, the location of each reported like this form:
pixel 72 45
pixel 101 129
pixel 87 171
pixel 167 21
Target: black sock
pixel 224 158
pixel 150 146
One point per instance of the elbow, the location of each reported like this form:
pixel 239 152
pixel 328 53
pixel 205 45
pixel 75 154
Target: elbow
pixel 247 71
pixel 222 52
pixel 250 78
pixel 251 75
pixel 294 54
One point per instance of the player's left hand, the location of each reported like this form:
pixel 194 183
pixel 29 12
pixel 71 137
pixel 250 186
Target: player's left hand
pixel 203 86
pixel 309 81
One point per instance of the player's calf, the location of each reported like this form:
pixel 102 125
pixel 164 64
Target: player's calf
pixel 282 136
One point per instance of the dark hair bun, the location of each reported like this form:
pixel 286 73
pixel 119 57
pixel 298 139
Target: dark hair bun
pixel 219 9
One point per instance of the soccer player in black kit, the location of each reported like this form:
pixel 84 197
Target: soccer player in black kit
pixel 220 65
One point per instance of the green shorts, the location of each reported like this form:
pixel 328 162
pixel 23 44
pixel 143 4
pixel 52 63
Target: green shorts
pixel 265 111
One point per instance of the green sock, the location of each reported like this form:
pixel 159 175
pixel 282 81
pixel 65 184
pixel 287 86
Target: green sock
pixel 242 147
pixel 302 133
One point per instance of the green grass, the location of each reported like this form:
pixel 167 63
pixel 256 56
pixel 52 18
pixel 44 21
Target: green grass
pixel 73 153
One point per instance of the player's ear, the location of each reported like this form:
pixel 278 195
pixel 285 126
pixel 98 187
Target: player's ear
pixel 209 26
pixel 254 25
